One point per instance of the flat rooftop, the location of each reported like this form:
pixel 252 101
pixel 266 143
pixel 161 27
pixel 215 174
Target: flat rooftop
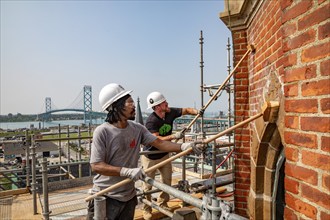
pixel 70 203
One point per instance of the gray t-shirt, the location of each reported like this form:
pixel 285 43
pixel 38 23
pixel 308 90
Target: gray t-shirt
pixel 118 147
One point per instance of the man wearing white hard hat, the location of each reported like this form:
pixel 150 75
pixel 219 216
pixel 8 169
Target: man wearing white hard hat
pixel 160 123
pixel 115 152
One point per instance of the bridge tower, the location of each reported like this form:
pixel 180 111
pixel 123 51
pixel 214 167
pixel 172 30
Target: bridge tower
pixel 48 104
pixel 87 103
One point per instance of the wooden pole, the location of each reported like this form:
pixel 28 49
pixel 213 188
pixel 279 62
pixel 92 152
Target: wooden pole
pixel 268 108
pixel 250 49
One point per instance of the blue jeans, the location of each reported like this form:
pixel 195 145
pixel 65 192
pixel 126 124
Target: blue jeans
pixel 116 210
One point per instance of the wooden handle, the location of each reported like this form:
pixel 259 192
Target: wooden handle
pixel 232 128
pixel 150 169
pixel 250 49
pixel 274 105
pixel 106 190
pixel 183 153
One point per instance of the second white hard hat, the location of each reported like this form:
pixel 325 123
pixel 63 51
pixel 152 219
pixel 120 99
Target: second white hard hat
pixel 155 98
pixel 111 93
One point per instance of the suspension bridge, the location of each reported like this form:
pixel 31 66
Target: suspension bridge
pixel 82 104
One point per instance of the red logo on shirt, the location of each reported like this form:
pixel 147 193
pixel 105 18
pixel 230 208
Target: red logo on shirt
pixel 132 144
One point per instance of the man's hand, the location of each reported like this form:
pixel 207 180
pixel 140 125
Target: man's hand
pixel 133 173
pixel 197 146
pixel 178 135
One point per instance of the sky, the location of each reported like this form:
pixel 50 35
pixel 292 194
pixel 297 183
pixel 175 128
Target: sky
pixel 55 48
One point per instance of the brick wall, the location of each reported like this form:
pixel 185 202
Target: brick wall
pixel 293 46
pixel 306 48
pixel 242 135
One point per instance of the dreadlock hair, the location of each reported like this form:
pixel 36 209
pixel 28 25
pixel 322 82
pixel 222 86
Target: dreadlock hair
pixel 115 110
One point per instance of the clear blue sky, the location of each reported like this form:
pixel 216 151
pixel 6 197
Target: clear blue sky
pixel 54 48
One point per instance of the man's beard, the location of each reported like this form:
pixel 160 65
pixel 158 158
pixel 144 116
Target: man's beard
pixel 132 118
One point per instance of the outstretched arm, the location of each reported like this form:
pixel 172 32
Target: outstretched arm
pixel 105 169
pixel 166 146
pixel 189 111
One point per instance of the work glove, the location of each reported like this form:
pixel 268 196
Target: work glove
pixel 201 112
pixel 133 173
pixel 178 135
pixel 197 146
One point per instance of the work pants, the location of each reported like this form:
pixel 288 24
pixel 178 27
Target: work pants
pixel 166 178
pixel 116 210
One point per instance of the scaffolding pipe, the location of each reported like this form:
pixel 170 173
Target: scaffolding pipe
pixel 189 150
pixel 33 184
pixel 175 192
pixel 100 208
pixel 202 97
pixel 89 145
pixel 250 49
pixel 68 152
pixel 44 171
pixel 79 153
pixel 229 87
pixel 27 162
pixel 215 213
pixel 155 206
pixel 213 168
pixel 59 147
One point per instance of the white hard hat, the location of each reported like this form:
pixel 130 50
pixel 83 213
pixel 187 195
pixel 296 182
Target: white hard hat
pixel 155 98
pixel 111 93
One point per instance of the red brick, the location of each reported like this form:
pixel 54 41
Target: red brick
pixel 300 139
pixel 290 60
pixel 291 154
pixel 241 75
pixel 285 3
pixel 321 87
pixel 316 52
pixel 300 206
pixel 289 29
pixel 301 73
pixel 325 68
pixel 291 185
pixel 324 216
pixel 296 10
pixel 291 122
pixel 324 31
pixel 320 2
pixel 325 105
pixel 301 173
pixel 326 181
pixel 316 196
pixel 316 17
pixel 320 124
pixel 291 90
pixel 301 106
pixel 325 143
pixel 300 40
pixel 241 198
pixel 241 88
pixel 289 214
pixel 316 160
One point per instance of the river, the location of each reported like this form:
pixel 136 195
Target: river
pixel 37 124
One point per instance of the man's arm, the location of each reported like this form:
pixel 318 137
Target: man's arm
pixel 108 170
pixel 165 138
pixel 189 111
pixel 166 146
pixel 105 169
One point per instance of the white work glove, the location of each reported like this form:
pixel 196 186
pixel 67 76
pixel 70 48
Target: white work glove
pixel 197 147
pixel 178 135
pixel 133 173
